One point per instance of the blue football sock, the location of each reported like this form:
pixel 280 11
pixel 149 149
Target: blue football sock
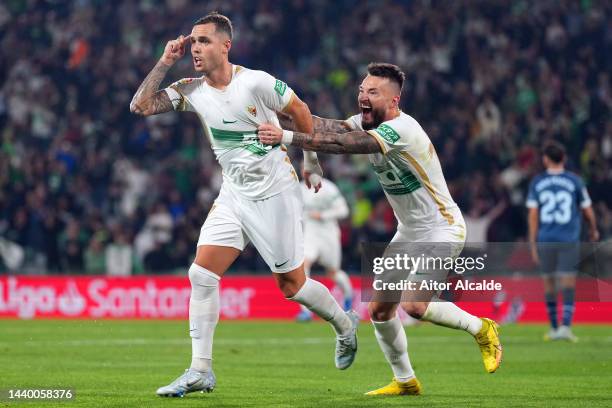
pixel 568 295
pixel 551 307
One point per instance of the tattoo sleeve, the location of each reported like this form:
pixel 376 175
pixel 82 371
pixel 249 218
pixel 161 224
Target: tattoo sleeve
pixel 356 142
pixel 330 125
pixel 320 124
pixel 148 99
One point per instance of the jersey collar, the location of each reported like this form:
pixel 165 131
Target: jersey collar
pixel 555 172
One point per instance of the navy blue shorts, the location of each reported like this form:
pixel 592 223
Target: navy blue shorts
pixel 561 258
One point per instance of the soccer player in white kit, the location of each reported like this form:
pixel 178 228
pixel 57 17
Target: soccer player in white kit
pixel 322 245
pixel 410 173
pixel 260 200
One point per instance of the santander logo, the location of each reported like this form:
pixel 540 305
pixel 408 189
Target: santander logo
pixel 70 302
pixel 100 297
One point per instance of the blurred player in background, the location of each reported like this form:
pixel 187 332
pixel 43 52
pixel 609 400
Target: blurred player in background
pixel 556 201
pixel 260 200
pixel 410 173
pixel 322 211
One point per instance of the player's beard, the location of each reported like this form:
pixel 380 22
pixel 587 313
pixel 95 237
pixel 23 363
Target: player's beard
pixel 376 117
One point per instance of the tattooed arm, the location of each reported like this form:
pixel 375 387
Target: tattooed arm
pixel 330 125
pixel 355 142
pixel 351 142
pixel 320 124
pixel 148 99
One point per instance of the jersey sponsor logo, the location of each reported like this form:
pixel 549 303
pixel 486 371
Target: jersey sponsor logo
pixel 280 87
pixel 252 110
pixel 387 133
pixel 226 122
pixel 396 180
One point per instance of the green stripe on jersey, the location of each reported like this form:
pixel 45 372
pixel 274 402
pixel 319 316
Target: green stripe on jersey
pixel 256 149
pixel 245 139
pixel 400 190
pixel 231 135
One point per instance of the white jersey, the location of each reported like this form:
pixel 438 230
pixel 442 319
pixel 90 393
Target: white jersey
pixel 230 118
pixel 409 172
pixel 329 203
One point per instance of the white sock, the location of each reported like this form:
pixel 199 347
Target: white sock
pixel 447 314
pixel 394 345
pixel 203 315
pixel 307 273
pixel 344 283
pixel 316 297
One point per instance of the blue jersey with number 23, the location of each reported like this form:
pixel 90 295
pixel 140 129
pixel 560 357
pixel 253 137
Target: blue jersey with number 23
pixel 559 198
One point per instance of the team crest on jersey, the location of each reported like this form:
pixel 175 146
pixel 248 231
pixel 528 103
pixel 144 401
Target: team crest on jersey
pixel 252 110
pixel 387 133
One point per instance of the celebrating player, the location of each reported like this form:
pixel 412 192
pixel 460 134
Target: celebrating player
pixel 260 199
pixel 409 171
pixel 554 232
pixel 322 211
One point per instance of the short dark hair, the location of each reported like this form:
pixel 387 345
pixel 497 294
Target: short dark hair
pixel 221 22
pixel 554 151
pixel 390 71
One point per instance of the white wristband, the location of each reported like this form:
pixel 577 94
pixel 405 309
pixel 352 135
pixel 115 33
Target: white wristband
pixel 287 137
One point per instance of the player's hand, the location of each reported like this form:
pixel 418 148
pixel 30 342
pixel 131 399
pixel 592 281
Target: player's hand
pixel 312 177
pixel 269 134
pixel 312 173
pixel 175 49
pixel 594 235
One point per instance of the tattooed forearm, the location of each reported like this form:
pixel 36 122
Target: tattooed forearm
pixel 148 100
pixel 320 124
pixel 357 142
pixel 329 125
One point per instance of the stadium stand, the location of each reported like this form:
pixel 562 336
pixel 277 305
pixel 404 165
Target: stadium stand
pixel 84 183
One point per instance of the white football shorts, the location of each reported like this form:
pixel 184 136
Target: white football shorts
pixel 452 235
pixel 432 244
pixel 273 225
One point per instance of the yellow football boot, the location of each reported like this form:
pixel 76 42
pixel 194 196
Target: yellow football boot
pixel 490 345
pixel 410 387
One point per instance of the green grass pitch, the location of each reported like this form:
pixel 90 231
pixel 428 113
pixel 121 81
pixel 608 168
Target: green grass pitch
pixel 283 364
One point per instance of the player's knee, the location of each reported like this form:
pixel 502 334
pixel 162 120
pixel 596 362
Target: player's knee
pixel 380 312
pixel 204 283
pixel 288 287
pixel 415 309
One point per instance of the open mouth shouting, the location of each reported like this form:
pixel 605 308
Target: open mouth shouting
pixel 366 112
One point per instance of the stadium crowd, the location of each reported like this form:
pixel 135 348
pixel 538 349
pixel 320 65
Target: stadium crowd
pixel 85 186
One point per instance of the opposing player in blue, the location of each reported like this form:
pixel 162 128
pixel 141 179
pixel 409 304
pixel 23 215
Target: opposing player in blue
pixel 556 201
